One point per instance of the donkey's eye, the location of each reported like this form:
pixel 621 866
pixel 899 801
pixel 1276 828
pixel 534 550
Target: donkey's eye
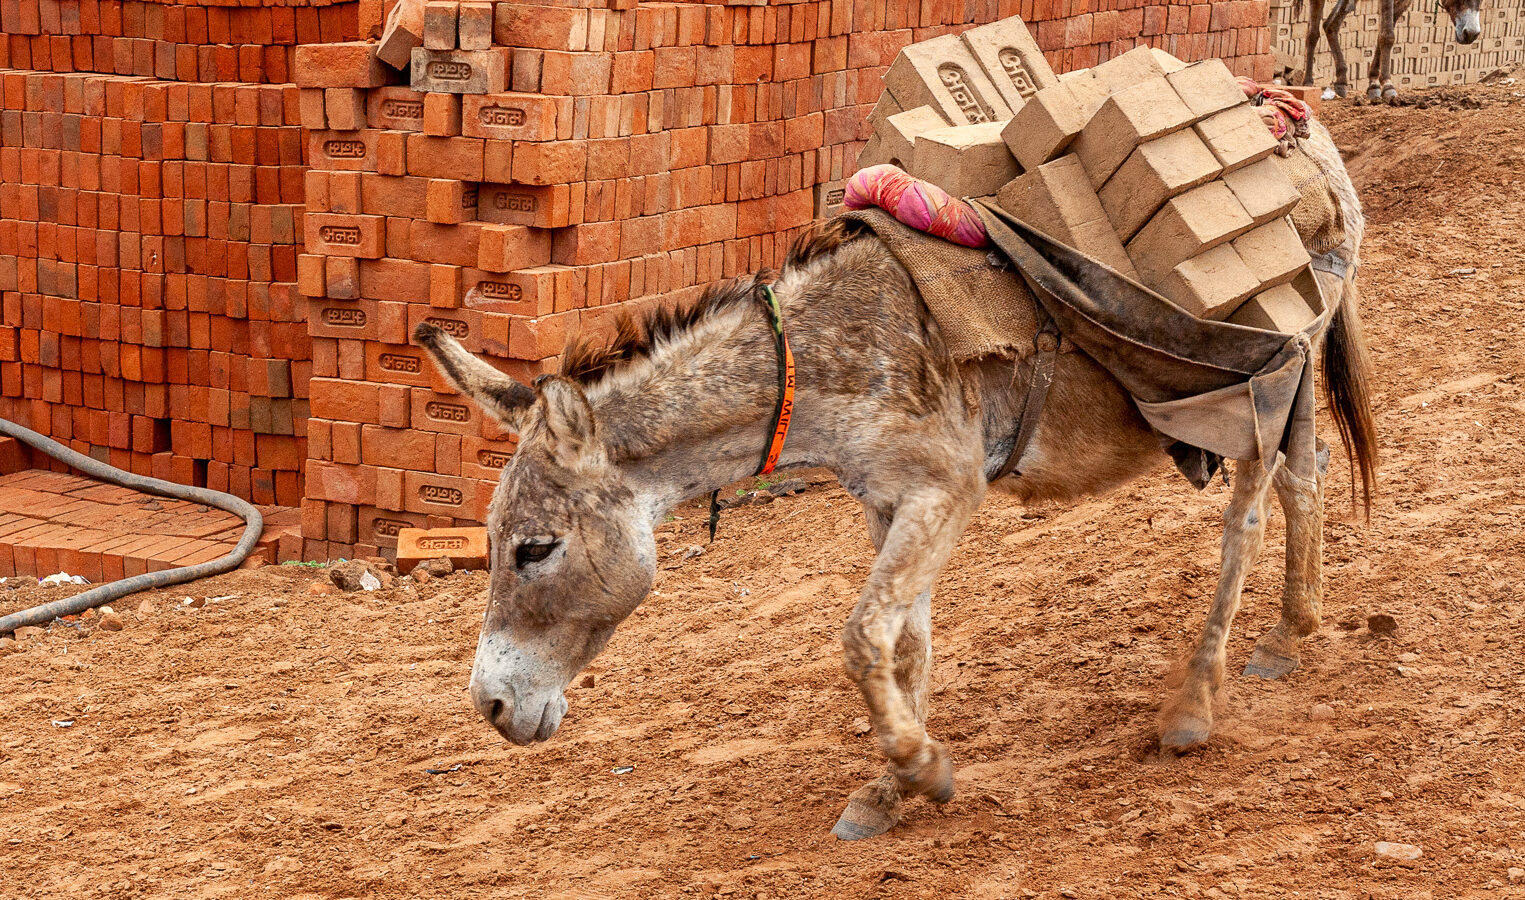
pixel 533 552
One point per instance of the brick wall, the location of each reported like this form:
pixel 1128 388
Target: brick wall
pixel 1425 55
pixel 150 221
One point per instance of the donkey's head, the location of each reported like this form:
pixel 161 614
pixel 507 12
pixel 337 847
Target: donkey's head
pixel 1465 15
pixel 572 552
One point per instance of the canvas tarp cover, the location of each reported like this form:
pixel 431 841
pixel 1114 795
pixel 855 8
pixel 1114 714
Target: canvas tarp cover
pixel 1218 390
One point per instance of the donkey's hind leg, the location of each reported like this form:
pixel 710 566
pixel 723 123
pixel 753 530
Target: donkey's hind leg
pixel 875 808
pixel 1187 717
pixel 1302 594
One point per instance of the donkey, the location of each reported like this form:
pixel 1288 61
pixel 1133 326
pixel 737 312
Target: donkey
pixel 682 403
pixel 1465 16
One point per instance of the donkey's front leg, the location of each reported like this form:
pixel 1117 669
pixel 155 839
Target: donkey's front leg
pixel 875 808
pixel 925 527
pixel 1187 717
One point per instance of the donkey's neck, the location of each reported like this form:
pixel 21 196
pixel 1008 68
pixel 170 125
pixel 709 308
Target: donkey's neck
pixel 697 413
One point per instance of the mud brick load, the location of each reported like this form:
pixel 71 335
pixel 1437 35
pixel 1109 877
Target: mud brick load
pixel 1152 166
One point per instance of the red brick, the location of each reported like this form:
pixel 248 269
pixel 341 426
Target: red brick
pixel 504 248
pixel 466 548
pixel 350 64
pixel 345 235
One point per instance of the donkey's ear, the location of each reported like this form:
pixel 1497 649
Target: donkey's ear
pixel 500 396
pixel 568 419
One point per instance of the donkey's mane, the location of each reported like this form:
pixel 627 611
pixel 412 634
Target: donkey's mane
pixel 637 335
pixel 588 359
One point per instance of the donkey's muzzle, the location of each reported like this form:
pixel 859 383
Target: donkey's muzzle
pixel 1468 27
pixel 521 723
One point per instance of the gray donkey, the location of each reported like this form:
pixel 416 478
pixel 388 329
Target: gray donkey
pixel 1465 16
pixel 683 403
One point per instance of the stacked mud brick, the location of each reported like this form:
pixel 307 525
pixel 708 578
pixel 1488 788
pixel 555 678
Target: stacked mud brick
pixel 200 42
pixel 1157 168
pixel 151 207
pixel 1425 52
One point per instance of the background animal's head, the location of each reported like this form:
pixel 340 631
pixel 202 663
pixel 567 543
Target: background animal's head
pixel 1465 15
pixel 572 551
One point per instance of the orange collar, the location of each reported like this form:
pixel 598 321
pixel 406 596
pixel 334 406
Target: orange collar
pixel 782 412
pixel 785 408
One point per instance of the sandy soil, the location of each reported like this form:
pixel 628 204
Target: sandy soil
pixel 276 743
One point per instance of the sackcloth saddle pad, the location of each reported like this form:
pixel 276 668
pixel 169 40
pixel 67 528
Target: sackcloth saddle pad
pixel 979 301
pixel 1317 216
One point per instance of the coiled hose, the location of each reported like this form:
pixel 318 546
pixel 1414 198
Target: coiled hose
pixel 70 606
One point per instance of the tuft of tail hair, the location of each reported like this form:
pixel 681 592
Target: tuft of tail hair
pixel 1346 367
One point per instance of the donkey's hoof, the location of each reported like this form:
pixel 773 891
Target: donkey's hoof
pixel 933 778
pixel 1270 665
pixel 1389 93
pixel 1341 90
pixel 1185 733
pixel 871 811
pixel 1373 92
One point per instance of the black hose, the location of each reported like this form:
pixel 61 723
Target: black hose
pixel 97 596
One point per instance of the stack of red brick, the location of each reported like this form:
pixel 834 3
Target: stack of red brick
pixel 173 42
pixel 545 164
pixel 149 231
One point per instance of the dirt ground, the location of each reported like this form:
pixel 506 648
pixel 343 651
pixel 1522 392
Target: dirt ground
pixel 275 743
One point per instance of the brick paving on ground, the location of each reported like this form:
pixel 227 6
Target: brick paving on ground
pixel 60 522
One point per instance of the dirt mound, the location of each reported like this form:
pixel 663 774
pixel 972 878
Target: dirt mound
pixel 281 739
pixel 1435 152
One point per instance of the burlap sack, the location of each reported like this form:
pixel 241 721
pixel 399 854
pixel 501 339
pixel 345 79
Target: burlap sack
pixel 1317 215
pixel 980 302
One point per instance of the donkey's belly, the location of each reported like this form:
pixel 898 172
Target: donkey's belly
pixel 1090 438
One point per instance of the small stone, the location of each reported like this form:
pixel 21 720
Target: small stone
pixel 282 864
pixel 395 820
pixel 1408 657
pixel 792 486
pixel 861 726
pixel 588 680
pixel 690 552
pixel 147 607
pixel 1383 624
pixel 8 644
pixel 27 631
pixel 438 567
pixel 111 622
pixel 349 575
pixel 1321 712
pixel 1516 875
pixel 195 602
pixel 421 574
pixel 321 589
pixel 369 581
pixel 106 610
pixel 1393 850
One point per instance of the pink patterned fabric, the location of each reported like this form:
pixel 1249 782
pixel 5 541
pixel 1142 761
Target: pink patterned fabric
pixel 1284 114
pixel 919 204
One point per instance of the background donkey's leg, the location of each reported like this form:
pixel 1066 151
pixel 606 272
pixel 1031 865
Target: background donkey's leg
pixel 1381 63
pixel 875 808
pixel 1332 25
pixel 1302 594
pixel 926 525
pixel 1315 13
pixel 1187 717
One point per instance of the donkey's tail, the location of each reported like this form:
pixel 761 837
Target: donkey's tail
pixel 1347 377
